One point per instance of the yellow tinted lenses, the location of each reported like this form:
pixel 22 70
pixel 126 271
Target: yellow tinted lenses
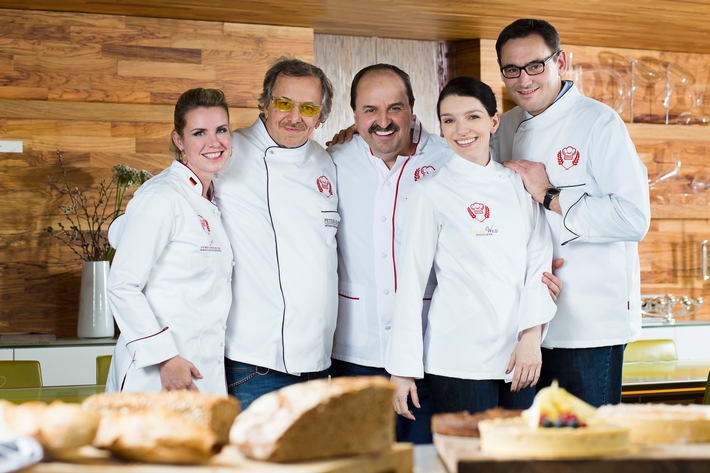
pixel 307 109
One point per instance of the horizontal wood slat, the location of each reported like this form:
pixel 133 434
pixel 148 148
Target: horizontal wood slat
pixel 674 25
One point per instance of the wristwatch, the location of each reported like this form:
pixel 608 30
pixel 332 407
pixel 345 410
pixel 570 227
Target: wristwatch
pixel 550 194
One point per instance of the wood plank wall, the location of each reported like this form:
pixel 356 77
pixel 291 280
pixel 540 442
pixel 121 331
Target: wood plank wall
pixel 100 89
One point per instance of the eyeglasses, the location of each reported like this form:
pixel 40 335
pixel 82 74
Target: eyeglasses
pixel 307 109
pixel 532 68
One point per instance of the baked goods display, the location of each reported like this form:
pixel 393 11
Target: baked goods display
pixel 318 419
pixel 557 425
pixel 661 423
pixel 465 424
pixel 59 427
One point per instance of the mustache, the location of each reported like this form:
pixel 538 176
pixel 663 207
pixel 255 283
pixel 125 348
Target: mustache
pixel 300 125
pixel 375 128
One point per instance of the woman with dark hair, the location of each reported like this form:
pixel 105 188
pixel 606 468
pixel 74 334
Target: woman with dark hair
pixel 479 346
pixel 169 284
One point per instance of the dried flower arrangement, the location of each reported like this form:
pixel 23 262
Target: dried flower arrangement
pixel 86 233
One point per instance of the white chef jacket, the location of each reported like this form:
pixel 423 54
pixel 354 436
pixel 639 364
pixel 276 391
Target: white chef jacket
pixel 280 210
pixel 588 153
pixel 170 284
pixel 490 244
pixel 372 199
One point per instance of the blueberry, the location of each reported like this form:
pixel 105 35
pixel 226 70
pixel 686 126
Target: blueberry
pixel 547 423
pixel 560 423
pixel 574 423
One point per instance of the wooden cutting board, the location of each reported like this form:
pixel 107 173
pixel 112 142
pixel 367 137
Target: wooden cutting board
pixel 398 459
pixel 463 455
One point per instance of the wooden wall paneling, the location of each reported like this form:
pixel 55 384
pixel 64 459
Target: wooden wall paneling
pixel 101 90
pixel 602 22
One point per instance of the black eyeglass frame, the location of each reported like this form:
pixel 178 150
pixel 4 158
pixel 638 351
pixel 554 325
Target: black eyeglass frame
pixel 525 67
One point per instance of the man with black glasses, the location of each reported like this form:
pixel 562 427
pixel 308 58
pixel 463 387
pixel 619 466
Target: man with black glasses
pixel 576 158
pixel 280 209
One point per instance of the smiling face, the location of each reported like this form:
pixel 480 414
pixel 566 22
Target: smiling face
pixel 205 141
pixel 291 129
pixel 467 127
pixel 383 114
pixel 533 93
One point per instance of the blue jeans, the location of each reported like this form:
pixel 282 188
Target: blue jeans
pixel 591 374
pixel 476 395
pixel 415 431
pixel 247 382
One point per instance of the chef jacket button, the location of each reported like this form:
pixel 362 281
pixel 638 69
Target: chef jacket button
pixel 234 263
pixel 388 327
pixel 383 255
pixel 388 183
pixel 383 218
pixel 386 291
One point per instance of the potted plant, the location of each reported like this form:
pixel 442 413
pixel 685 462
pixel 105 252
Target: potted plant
pixel 85 233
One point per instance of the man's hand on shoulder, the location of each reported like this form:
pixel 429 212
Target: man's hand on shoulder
pixel 343 136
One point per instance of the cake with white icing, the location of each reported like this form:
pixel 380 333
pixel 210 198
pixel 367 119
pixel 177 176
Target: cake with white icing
pixel 557 425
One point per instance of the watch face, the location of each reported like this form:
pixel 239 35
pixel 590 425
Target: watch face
pixel 553 191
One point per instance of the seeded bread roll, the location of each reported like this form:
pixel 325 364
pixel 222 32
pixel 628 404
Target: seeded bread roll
pixel 59 427
pixel 318 419
pixel 156 436
pixel 216 413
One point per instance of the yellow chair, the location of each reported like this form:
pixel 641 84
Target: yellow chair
pixel 102 364
pixel 706 399
pixel 650 351
pixel 20 374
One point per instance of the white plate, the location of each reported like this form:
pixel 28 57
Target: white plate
pixel 18 452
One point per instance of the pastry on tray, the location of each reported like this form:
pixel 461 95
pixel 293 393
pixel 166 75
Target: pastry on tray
pixel 661 423
pixel 465 424
pixel 557 425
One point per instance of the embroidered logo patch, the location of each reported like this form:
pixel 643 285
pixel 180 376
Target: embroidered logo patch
pixel 479 211
pixel 568 157
pixel 423 171
pixel 206 227
pixel 205 224
pixel 324 186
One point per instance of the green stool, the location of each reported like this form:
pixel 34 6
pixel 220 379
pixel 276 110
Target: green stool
pixel 102 365
pixel 20 374
pixel 650 350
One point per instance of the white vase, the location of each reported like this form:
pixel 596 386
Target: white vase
pixel 95 318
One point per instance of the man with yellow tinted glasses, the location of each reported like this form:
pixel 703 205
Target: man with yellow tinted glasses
pixel 280 208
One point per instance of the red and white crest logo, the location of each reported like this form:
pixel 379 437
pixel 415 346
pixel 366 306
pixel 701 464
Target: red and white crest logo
pixel 204 223
pixel 324 186
pixel 479 211
pixel 423 171
pixel 568 157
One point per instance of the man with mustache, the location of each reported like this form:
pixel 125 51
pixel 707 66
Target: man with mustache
pixel 280 209
pixel 576 158
pixel 377 170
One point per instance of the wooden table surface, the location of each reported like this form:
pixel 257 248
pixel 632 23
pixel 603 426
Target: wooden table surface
pixel 463 455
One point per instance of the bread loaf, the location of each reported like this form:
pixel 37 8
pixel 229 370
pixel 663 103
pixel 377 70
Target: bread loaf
pixel 216 413
pixel 318 419
pixel 59 427
pixel 156 436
